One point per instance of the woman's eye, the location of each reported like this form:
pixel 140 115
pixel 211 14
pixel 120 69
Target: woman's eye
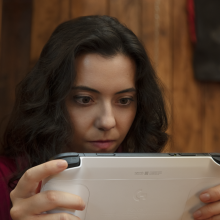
pixel 83 99
pixel 125 101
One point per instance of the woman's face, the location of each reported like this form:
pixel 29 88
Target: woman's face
pixel 102 103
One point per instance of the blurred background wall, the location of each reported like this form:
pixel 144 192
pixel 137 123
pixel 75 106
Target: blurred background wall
pixel 162 25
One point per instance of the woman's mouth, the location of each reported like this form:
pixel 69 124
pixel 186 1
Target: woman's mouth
pixel 102 144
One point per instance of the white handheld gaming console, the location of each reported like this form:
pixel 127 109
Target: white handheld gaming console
pixel 136 186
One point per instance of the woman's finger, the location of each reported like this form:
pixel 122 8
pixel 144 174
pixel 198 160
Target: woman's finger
pixel 217 217
pixel 208 211
pixel 29 182
pixel 211 195
pixel 46 201
pixel 54 216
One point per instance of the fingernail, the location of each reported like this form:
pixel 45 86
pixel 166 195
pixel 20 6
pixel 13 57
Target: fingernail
pixel 197 214
pixel 61 164
pixel 205 197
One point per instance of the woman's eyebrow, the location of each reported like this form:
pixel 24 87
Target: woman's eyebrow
pixel 96 91
pixel 126 90
pixel 85 88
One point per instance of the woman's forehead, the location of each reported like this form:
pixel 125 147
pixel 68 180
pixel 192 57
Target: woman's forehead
pixel 94 70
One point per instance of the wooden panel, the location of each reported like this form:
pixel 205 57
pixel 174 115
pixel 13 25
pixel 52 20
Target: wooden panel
pixel 15 48
pixel 187 93
pixel 128 12
pixel 0 22
pixel 88 7
pixel 212 118
pixel 148 27
pixel 157 37
pixel 46 16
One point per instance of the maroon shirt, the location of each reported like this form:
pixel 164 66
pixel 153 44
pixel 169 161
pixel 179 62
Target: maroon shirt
pixel 7 168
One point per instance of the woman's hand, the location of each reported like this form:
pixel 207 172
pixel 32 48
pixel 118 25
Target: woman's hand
pixel 29 203
pixel 211 211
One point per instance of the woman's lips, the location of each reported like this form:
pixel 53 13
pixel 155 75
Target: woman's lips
pixel 102 144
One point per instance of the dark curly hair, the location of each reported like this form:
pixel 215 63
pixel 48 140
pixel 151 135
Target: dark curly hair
pixel 39 125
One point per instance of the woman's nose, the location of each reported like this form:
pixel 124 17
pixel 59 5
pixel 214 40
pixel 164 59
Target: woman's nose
pixel 105 118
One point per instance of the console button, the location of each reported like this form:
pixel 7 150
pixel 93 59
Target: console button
pixel 216 159
pixel 215 154
pixel 187 154
pixel 72 161
pixel 172 154
pixel 202 154
pixel 105 155
pixel 62 155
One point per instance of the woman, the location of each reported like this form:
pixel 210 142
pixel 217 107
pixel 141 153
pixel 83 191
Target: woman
pixel 92 90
